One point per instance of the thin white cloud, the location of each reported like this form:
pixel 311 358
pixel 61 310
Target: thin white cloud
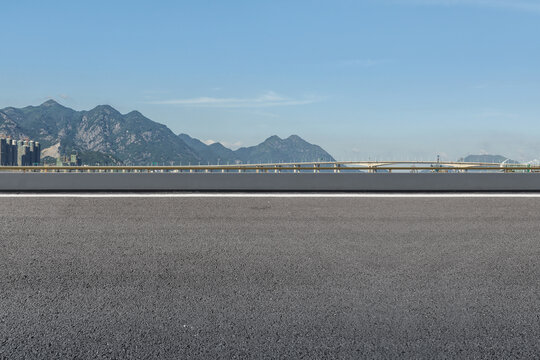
pixel 524 5
pixel 268 99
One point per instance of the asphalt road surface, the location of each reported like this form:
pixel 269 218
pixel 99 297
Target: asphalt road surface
pixel 269 278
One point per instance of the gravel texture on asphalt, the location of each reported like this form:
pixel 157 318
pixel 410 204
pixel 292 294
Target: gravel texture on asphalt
pixel 269 278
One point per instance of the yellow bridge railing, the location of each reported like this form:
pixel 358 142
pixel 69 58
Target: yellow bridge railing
pixel 336 167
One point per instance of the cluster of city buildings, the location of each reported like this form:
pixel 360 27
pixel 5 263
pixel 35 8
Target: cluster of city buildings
pixel 19 152
pixel 72 160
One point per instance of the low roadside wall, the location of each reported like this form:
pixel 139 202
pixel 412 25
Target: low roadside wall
pixel 269 182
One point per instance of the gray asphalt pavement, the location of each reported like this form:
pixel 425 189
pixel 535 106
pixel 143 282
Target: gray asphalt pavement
pixel 269 278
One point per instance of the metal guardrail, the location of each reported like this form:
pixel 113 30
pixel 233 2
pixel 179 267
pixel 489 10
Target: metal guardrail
pixel 336 167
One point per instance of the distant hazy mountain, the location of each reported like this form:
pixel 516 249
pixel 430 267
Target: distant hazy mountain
pixel 105 135
pixel 275 149
pixel 496 159
pixel 213 154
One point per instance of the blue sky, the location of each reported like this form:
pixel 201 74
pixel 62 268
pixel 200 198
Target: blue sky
pixel 393 79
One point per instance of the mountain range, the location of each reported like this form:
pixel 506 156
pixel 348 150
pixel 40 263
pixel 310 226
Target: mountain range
pixel 487 158
pixel 104 135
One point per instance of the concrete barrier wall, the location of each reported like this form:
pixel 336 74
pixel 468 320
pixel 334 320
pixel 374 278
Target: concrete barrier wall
pixel 269 182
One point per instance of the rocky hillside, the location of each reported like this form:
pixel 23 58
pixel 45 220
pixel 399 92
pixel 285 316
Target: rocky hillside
pixel 291 149
pixel 213 154
pixel 273 149
pixel 103 133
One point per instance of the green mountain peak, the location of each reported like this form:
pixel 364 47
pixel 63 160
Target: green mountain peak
pixel 104 133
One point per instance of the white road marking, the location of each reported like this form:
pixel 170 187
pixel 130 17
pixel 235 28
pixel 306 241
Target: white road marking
pixel 269 195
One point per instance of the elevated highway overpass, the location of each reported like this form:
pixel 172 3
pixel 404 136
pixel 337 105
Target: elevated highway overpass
pixel 303 176
pixel 333 166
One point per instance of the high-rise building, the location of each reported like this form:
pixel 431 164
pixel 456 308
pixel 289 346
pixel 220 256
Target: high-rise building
pixel 37 153
pixel 19 153
pixel 75 160
pixel 3 151
pixel 32 148
pixel 13 153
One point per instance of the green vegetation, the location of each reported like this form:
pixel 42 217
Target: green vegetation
pixel 106 137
